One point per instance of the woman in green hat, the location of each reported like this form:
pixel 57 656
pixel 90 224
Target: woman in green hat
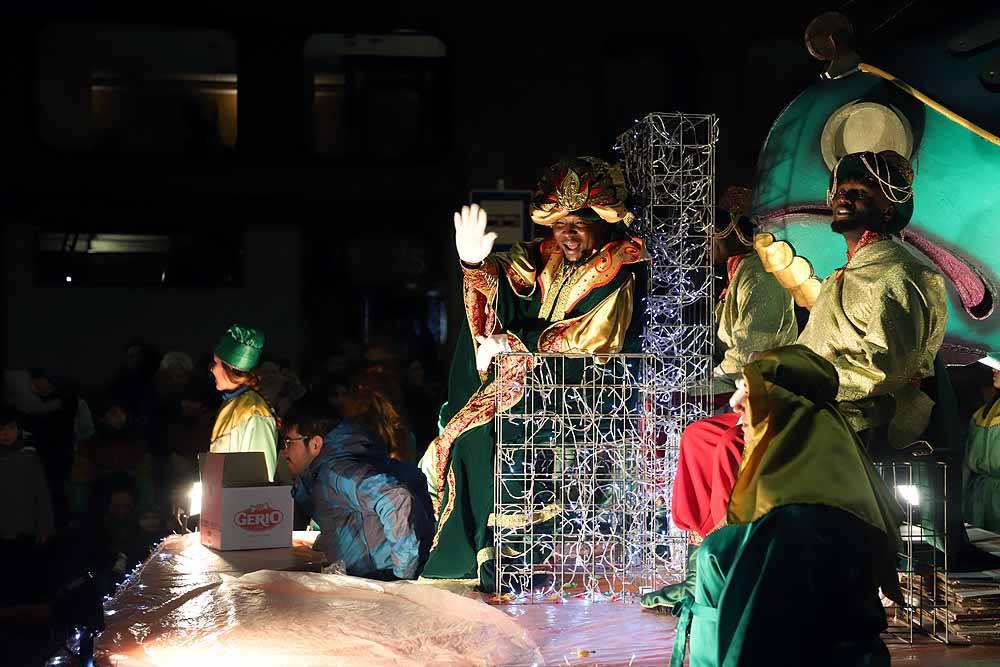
pixel 246 422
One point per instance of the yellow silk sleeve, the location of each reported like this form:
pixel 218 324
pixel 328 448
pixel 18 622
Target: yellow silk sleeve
pixel 756 316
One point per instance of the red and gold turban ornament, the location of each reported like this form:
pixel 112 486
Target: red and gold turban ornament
pixel 585 186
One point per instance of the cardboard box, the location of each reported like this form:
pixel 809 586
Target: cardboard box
pixel 239 509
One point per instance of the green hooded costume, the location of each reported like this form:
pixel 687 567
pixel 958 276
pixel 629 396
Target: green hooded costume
pixel 812 534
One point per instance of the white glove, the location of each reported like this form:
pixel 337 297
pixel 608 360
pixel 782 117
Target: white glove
pixel 489 348
pixel 472 243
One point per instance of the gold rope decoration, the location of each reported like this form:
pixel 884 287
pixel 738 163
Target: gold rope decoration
pixel 524 519
pixel 941 109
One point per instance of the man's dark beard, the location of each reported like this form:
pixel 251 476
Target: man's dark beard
pixel 841 226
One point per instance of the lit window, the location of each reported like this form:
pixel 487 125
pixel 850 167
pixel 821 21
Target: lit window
pixel 120 89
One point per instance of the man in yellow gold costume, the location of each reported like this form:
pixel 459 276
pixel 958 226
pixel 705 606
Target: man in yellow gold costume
pixel 879 320
pixel 574 292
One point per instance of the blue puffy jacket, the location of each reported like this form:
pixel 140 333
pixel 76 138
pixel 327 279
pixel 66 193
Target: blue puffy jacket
pixel 374 513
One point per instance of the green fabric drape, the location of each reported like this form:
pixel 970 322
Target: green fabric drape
pixel 790 589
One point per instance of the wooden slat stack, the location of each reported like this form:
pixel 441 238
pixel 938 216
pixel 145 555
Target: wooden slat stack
pixel 963 607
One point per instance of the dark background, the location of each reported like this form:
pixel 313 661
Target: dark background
pixel 348 236
pixel 318 206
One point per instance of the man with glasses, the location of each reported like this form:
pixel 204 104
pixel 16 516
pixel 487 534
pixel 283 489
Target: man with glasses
pixel 374 513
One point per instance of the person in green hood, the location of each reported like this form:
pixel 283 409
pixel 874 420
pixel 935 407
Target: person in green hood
pixel 245 422
pixel 810 535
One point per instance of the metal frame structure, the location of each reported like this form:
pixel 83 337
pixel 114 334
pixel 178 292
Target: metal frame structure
pixel 585 462
pixel 921 488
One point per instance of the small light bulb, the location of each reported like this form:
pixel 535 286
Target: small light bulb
pixel 195 499
pixel 909 493
pixel 69 279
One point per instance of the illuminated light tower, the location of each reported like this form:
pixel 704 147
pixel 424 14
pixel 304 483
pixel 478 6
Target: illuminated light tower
pixel 585 462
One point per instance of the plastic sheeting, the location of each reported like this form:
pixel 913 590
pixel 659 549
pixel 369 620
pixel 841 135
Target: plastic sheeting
pixel 579 632
pixel 190 606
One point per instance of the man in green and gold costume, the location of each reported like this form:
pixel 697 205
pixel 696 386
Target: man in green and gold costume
pixel 574 292
pixel 811 536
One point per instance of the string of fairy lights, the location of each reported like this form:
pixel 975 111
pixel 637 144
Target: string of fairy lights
pixel 585 462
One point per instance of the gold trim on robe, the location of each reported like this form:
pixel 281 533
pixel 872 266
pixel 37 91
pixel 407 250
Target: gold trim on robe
pixel 988 415
pixel 599 331
pixel 881 321
pixel 524 519
pixel 480 285
pixel 479 410
pixel 562 291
